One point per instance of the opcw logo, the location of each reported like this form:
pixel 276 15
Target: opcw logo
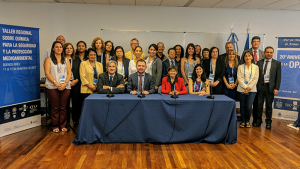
pixel 279 114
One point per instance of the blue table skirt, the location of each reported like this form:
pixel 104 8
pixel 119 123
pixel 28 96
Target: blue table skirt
pixel 152 120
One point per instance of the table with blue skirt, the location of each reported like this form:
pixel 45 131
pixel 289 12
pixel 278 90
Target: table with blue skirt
pixel 157 118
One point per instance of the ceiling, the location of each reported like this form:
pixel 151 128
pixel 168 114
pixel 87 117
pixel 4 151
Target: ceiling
pixel 236 4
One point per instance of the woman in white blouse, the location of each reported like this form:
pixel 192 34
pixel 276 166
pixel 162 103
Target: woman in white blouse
pixel 138 53
pixel 123 63
pixel 247 75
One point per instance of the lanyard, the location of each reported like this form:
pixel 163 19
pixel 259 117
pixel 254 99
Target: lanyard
pixel 189 64
pixel 195 86
pixel 231 70
pixel 71 63
pixel 270 65
pixel 211 69
pixel 122 66
pixel 251 71
pixel 95 68
pixel 131 56
pixel 101 58
pixel 151 62
pixel 59 69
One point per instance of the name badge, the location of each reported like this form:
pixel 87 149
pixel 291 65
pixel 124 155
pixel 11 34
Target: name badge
pixel 231 80
pixel 62 79
pixel 267 78
pixel 246 82
pixel 211 78
pixel 72 77
pixel 95 81
pixel 190 75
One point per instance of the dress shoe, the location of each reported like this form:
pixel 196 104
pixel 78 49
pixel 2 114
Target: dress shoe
pixel 256 124
pixel 268 126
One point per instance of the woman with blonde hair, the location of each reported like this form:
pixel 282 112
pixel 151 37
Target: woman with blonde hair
pixel 230 77
pixel 98 45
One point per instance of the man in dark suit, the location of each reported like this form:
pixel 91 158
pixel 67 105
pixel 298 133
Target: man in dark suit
pixel 257 56
pixel 140 82
pixel 268 84
pixel 171 61
pixel 229 46
pixel 110 80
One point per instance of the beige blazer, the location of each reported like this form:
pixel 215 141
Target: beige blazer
pixel 87 75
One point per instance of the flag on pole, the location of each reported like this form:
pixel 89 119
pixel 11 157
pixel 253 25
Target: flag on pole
pixel 247 42
pixel 234 39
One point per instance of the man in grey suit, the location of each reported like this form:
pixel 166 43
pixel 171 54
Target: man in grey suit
pixel 257 55
pixel 110 80
pixel 268 84
pixel 140 82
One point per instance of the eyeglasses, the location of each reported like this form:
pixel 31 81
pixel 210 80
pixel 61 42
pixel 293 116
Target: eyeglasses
pixel 135 43
pixel 162 47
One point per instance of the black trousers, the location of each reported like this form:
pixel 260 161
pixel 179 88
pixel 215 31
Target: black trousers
pixel 255 109
pixel 265 95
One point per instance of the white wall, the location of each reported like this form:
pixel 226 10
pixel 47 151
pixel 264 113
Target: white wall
pixel 84 21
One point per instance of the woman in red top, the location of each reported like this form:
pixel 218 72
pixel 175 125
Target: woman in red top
pixel 172 83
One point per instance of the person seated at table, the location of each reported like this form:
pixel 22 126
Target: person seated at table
pixel 89 73
pixel 110 80
pixel 198 84
pixel 172 84
pixel 140 81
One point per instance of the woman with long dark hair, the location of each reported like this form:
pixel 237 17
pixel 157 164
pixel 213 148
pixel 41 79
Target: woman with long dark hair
pixel 198 84
pixel 179 53
pixel 215 70
pixel 154 65
pixel 189 62
pixel 122 62
pixel 58 72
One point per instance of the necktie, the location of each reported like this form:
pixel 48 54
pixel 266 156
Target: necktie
pixel 266 65
pixel 255 56
pixel 110 80
pixel 173 62
pixel 140 83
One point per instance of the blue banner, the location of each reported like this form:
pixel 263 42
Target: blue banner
pixel 20 72
pixel 289 42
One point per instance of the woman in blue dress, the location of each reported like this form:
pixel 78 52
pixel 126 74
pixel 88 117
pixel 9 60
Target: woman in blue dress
pixel 230 77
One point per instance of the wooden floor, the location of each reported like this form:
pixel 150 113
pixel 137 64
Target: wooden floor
pixel 256 148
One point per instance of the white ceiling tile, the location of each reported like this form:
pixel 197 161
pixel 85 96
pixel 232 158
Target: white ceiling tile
pixel 71 1
pixel 174 2
pixel 294 7
pixel 255 4
pixel 148 2
pixel 96 2
pixel 229 3
pixel 281 4
pixel 41 0
pixel 122 2
pixel 204 3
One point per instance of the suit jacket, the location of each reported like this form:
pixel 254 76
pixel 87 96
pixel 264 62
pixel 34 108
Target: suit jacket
pixel 156 70
pixel 179 85
pixel 219 73
pixel 76 75
pixel 166 65
pixel 223 56
pixel 104 80
pixel 125 68
pixel 133 83
pixel 104 60
pixel 261 55
pixel 275 75
pixel 87 76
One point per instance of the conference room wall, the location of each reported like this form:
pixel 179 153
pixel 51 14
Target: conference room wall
pixel 84 21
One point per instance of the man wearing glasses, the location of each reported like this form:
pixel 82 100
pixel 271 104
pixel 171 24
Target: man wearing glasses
pixel 130 54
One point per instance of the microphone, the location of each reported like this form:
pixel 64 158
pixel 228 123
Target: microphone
pixel 210 96
pixel 174 95
pixel 109 92
pixel 141 95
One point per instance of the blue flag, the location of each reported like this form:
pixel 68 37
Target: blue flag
pixel 247 43
pixel 234 39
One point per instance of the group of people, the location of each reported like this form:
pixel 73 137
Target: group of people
pixel 103 68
